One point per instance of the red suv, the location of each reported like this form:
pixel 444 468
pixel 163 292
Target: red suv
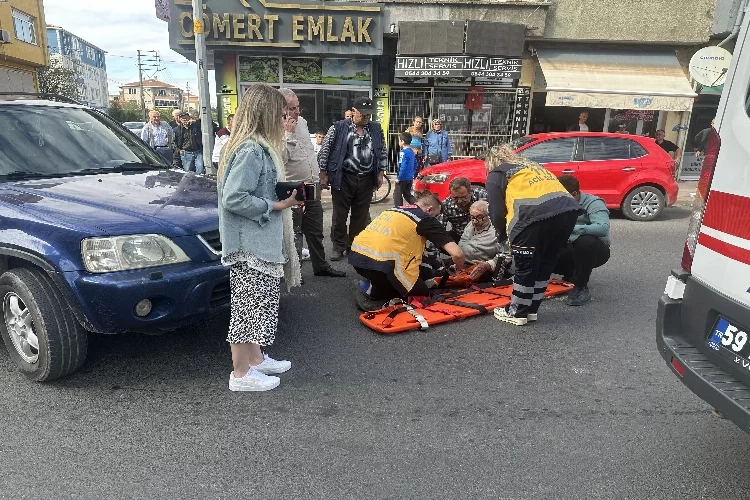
pixel 630 173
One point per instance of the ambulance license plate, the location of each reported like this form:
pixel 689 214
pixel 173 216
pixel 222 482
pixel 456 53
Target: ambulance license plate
pixel 730 341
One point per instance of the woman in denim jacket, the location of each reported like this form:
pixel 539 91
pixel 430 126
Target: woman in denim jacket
pixel 257 236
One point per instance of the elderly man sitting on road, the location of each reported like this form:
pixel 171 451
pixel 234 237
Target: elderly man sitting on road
pixel 479 243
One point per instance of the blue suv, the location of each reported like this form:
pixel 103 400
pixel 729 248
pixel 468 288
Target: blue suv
pixel 97 234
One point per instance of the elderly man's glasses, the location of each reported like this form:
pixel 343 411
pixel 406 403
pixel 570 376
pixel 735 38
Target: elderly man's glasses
pixel 479 217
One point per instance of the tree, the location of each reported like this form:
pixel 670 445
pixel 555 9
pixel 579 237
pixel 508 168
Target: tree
pixel 125 111
pixel 54 79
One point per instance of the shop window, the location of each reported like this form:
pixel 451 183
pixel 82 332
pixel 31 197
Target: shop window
pixel 552 151
pixel 602 148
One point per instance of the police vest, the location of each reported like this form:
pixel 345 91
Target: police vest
pixel 533 194
pixel 390 244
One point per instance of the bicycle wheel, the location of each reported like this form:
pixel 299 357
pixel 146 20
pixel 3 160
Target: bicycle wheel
pixel 381 194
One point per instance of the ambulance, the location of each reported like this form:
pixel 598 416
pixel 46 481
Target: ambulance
pixel 703 321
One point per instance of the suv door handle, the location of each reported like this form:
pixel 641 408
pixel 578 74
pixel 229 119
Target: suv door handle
pixel 569 171
pixel 628 169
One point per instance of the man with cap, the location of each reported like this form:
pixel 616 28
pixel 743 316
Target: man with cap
pixel 353 161
pixel 189 143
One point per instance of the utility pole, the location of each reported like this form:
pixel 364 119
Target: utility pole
pixel 148 62
pixel 140 80
pixel 204 98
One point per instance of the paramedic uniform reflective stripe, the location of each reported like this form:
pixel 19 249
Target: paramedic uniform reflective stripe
pixel 533 194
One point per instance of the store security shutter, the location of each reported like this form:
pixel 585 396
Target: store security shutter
pixel 430 37
pixel 488 38
pixel 12 80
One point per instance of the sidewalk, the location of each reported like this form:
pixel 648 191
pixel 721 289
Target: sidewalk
pixel 686 194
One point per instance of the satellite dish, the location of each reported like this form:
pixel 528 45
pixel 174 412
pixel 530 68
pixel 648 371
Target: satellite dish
pixel 709 66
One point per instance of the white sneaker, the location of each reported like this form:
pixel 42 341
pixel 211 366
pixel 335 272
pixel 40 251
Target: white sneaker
pixel 502 315
pixel 253 381
pixel 270 366
pixel 305 254
pixel 531 317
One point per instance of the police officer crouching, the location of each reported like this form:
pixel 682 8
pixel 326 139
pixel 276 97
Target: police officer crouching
pixel 388 253
pixel 530 207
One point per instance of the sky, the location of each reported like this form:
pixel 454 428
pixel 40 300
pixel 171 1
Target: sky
pixel 121 28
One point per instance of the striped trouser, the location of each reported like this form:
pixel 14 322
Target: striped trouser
pixel 535 251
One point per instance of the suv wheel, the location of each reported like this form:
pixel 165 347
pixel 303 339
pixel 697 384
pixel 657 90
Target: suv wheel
pixel 643 203
pixel 41 334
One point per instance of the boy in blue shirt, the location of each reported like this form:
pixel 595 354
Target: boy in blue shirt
pixel 407 169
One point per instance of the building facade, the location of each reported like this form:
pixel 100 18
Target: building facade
pixel 156 94
pixel 490 70
pixel 85 60
pixel 25 50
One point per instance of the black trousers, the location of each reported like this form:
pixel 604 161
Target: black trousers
pixel 402 192
pixel 580 257
pixel 383 289
pixel 355 195
pixel 309 222
pixel 535 251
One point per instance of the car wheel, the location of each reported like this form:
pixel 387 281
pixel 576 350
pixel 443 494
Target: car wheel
pixel 41 334
pixel 643 203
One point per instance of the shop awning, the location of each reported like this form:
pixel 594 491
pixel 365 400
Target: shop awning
pixel 607 78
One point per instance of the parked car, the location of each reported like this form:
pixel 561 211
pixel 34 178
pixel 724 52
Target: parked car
pixel 135 127
pixel 630 173
pixel 96 235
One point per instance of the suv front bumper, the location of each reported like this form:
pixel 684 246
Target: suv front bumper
pixel 180 294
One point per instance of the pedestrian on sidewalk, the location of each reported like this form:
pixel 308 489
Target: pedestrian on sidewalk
pixel 301 165
pixel 222 138
pixel 158 136
pixel 257 236
pixel 530 208
pixel 353 159
pixel 189 140
pixel 407 169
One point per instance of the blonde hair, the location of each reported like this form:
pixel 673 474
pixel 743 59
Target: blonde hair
pixel 258 117
pixel 497 155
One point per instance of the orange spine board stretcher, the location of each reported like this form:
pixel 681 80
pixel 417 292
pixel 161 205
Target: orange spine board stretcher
pixel 446 306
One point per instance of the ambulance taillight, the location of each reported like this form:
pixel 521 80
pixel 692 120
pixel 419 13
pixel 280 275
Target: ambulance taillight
pixel 701 197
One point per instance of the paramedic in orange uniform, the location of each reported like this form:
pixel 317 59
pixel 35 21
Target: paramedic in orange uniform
pixel 388 253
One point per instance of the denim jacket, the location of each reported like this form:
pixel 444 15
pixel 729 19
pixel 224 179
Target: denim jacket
pixel 247 221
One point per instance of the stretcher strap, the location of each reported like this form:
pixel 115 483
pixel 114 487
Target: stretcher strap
pixel 478 307
pixel 388 320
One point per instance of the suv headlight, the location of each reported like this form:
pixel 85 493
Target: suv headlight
pixel 435 178
pixel 122 253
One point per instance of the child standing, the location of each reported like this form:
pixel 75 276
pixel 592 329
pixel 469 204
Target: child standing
pixel 407 169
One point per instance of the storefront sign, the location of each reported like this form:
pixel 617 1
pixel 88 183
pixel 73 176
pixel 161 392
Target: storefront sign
pixel 380 98
pixel 521 111
pixel 307 26
pixel 458 66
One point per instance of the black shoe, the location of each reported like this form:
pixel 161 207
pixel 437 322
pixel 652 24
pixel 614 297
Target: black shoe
pixel 579 296
pixel 367 303
pixel 337 256
pixel 331 273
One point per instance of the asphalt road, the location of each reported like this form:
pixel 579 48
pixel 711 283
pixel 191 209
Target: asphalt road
pixel 578 405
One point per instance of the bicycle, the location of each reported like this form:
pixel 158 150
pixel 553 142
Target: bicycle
pixel 382 193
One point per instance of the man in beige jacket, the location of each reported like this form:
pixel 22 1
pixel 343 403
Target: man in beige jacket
pixel 302 166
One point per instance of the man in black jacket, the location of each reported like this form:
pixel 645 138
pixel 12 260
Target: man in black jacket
pixel 353 160
pixel 189 143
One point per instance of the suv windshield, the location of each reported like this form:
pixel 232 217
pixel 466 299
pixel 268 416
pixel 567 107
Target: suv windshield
pixel 49 141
